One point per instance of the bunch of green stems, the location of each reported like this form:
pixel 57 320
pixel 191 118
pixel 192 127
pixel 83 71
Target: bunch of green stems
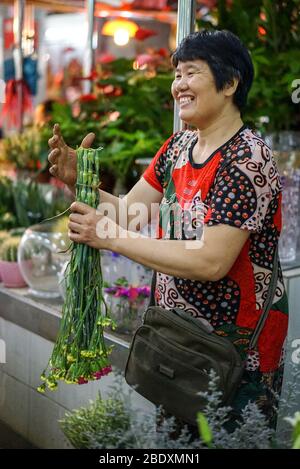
pixel 80 353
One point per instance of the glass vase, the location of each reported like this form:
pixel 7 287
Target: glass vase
pixel 41 257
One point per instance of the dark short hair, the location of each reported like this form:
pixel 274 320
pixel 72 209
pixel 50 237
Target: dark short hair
pixel 226 57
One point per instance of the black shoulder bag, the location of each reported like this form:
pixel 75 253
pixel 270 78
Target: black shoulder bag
pixel 172 353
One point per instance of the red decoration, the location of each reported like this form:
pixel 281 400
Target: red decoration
pixel 262 31
pixel 150 4
pixel 87 98
pixel 8 28
pixel 143 34
pixel 163 52
pixel 106 58
pixel 10 112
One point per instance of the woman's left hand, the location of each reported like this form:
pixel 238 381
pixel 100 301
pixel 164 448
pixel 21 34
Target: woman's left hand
pixel 88 226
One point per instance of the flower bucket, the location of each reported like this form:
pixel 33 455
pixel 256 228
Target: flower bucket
pixel 11 275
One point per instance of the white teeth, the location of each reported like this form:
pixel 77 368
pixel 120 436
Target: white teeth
pixel 185 100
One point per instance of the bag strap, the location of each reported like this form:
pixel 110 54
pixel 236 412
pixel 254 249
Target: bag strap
pixel 266 308
pixel 268 302
pixel 153 282
pixel 152 291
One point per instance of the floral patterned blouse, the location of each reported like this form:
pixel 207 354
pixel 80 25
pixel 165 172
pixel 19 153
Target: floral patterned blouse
pixel 237 185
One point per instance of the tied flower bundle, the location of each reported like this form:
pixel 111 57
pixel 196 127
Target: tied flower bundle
pixel 80 353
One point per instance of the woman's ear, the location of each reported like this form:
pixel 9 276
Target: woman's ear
pixel 231 86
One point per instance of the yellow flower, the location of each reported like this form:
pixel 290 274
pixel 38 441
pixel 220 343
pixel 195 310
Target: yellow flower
pixel 70 358
pixel 41 389
pixel 53 386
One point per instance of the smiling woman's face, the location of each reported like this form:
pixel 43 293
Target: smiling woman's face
pixel 195 92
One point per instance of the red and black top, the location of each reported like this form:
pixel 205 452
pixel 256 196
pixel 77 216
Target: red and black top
pixel 238 185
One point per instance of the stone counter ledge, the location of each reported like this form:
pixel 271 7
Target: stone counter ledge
pixel 42 317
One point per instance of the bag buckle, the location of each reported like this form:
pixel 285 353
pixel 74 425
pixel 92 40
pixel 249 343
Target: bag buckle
pixel 165 370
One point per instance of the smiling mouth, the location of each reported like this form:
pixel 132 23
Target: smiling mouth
pixel 185 101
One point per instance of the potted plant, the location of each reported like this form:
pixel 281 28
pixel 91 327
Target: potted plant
pixel 108 419
pixel 3 236
pixel 9 268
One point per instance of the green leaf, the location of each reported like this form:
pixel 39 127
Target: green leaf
pixel 204 429
pixel 296 444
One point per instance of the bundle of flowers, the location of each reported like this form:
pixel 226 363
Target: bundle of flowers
pixel 80 353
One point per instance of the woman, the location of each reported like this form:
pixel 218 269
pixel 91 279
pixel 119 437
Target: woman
pixel 228 171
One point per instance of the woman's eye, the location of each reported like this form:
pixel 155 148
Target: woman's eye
pixel 177 77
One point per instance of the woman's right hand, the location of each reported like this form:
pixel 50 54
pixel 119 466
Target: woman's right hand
pixel 63 158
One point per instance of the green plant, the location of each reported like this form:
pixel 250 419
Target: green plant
pixel 129 428
pixel 34 202
pixel 7 215
pixel 107 419
pixel 271 32
pixel 289 404
pixel 295 422
pixel 112 423
pixel 26 202
pixel 251 432
pixel 9 249
pixel 29 202
pixel 3 236
pixel 24 149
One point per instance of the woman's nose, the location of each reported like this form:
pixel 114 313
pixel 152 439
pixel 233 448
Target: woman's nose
pixel 181 84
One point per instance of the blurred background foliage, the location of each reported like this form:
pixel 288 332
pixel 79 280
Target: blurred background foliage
pixel 271 31
pixel 130 111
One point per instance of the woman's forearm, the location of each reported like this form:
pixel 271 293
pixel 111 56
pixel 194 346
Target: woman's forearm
pixel 172 257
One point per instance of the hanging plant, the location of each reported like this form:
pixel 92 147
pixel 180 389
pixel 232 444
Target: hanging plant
pixel 80 353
